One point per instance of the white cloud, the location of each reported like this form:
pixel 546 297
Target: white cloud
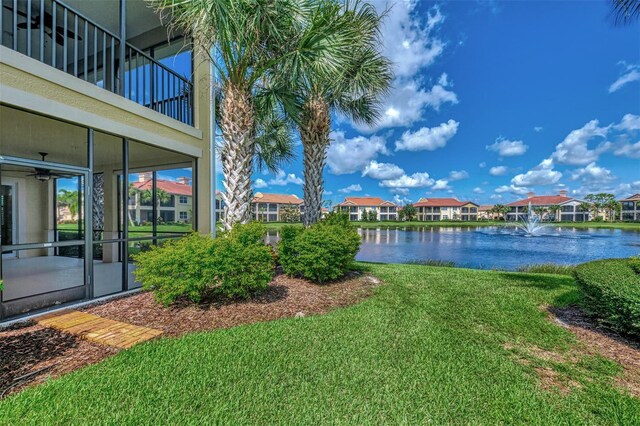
pixel 508 148
pixel 458 175
pixel 401 200
pixel 498 171
pixel 574 149
pixel 382 171
pixel 542 174
pixel 517 190
pixel 628 150
pixel 538 129
pixel 428 138
pixel 401 191
pixel 440 185
pixel 353 155
pixel 351 188
pixel 482 165
pixel 260 183
pixel 410 42
pixel 416 180
pixel 495 196
pixel 593 175
pixel 630 74
pixel 283 179
pixel 628 123
pixel 478 190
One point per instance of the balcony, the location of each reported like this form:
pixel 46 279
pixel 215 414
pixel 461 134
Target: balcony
pixel 87 42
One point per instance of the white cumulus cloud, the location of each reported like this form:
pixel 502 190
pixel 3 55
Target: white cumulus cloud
pixel 440 185
pixel 458 175
pixel 416 180
pixel 498 171
pixel 382 171
pixel 283 179
pixel 428 138
pixel 478 190
pixel 593 175
pixel 542 174
pixel 508 148
pixel 353 155
pixel 575 150
pixel 351 188
pixel 260 183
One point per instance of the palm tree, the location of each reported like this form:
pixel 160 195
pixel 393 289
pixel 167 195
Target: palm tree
pixel 245 40
pixel 71 199
pixel 501 210
pixel 350 85
pixel 625 11
pixel 585 207
pixel 555 209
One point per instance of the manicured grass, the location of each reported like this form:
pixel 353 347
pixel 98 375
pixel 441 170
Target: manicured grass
pixel 415 224
pixel 433 345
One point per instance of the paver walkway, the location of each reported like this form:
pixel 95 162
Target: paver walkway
pixel 98 329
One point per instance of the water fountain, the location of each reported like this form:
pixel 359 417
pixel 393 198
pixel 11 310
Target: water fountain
pixel 531 226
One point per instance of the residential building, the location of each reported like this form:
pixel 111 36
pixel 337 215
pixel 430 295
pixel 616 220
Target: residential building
pixel 433 209
pixel 630 210
pixel 359 208
pixel 269 207
pixel 570 210
pixel 485 213
pixel 174 200
pixel 94 97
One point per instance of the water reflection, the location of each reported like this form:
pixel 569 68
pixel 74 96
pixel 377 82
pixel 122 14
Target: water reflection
pixel 492 247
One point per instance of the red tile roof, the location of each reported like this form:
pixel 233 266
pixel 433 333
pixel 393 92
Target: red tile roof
pixel 441 202
pixel 634 197
pixel 484 208
pixel 365 202
pixel 541 200
pixel 276 198
pixel 168 186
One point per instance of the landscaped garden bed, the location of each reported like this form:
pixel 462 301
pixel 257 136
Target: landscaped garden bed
pixel 31 353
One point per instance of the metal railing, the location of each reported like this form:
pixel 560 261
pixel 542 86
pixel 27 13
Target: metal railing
pixel 55 34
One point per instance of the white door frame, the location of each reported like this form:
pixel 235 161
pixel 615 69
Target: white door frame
pixel 17 207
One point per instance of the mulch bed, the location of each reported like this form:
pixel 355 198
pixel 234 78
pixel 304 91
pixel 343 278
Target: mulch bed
pixel 31 354
pixel 600 340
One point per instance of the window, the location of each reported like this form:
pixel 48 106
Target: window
pixel 183 199
pixel 627 205
pixel 184 216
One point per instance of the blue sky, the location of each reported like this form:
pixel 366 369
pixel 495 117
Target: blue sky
pixel 492 100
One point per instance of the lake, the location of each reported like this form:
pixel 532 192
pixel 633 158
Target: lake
pixel 494 247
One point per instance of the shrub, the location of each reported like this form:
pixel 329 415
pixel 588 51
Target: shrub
pixel 611 291
pixel 321 253
pixel 235 264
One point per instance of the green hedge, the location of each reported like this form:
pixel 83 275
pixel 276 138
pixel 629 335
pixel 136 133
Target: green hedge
pixel 611 291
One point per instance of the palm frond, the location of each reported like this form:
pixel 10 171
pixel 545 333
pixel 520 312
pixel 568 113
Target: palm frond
pixel 625 11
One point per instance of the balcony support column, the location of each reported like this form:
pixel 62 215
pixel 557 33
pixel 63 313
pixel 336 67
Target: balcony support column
pixel 122 47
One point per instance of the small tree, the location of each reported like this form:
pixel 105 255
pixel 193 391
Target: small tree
pixel 410 212
pixel 585 207
pixel 290 214
pixel 373 216
pixel 555 209
pixel 540 211
pixel 501 210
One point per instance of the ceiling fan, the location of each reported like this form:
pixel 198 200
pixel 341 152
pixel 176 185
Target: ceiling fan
pixel 48 25
pixel 42 174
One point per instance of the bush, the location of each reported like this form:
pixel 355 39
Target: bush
pixel 236 264
pixel 611 291
pixel 321 253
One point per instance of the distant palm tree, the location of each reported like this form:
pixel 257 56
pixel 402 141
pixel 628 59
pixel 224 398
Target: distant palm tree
pixel 585 207
pixel 540 211
pixel 625 11
pixel 71 199
pixel 501 210
pixel 555 210
pixel 351 85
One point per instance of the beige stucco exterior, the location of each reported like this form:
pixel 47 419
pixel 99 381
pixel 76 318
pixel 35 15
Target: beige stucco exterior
pixel 27 84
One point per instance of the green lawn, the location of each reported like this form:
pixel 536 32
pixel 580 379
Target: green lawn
pixel 608 225
pixel 433 345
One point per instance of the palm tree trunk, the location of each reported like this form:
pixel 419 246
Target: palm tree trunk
pixel 238 133
pixel 314 133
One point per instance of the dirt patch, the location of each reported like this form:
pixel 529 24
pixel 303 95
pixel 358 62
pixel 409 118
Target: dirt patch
pixel 599 340
pixel 30 353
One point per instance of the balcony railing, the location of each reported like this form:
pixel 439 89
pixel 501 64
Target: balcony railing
pixel 55 34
